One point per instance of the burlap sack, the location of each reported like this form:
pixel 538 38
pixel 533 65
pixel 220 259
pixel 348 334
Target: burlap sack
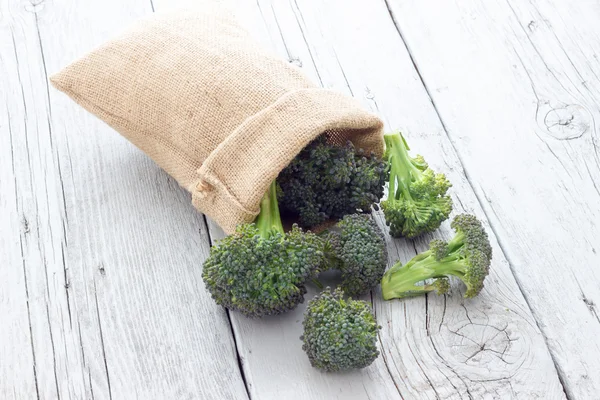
pixel 221 115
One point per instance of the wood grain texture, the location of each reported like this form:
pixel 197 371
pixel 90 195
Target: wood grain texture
pixel 517 85
pixel 101 293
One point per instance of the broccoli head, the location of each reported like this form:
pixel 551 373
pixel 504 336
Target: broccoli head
pixel 326 181
pixel 358 250
pixel 261 270
pixel 417 202
pixel 467 256
pixel 339 334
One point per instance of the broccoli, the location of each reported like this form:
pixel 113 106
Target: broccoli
pixel 261 270
pixel 467 256
pixel 326 182
pixel 339 334
pixel 359 251
pixel 417 202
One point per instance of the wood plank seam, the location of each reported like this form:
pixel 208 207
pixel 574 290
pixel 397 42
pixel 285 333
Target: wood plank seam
pixel 102 345
pixel 240 361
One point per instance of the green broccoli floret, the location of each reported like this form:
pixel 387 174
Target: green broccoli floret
pixel 261 270
pixel 467 256
pixel 339 334
pixel 417 202
pixel 326 181
pixel 357 248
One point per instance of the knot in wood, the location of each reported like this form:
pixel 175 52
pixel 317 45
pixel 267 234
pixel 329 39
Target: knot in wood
pixel 482 344
pixel 484 350
pixel 567 122
pixel 34 6
pixel 296 61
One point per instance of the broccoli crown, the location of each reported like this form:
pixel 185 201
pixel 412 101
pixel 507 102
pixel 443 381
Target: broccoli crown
pixel 339 334
pixel 326 181
pixel 466 256
pixel 417 202
pixel 359 251
pixel 261 270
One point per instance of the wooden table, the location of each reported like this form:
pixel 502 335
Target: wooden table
pixel 101 295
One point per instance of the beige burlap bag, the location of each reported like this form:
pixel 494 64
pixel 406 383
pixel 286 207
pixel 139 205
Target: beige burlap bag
pixel 220 114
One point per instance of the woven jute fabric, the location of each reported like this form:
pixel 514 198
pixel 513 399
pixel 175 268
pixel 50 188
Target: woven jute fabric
pixel 220 114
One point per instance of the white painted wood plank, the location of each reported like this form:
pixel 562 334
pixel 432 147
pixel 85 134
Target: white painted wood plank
pixel 110 276
pixel 16 365
pixel 434 347
pixel 517 86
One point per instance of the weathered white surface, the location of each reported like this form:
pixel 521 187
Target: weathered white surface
pixel 517 86
pixel 101 291
pixel 100 294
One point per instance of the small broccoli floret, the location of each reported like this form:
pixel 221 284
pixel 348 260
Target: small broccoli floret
pixel 467 256
pixel 417 202
pixel 359 251
pixel 339 334
pixel 261 270
pixel 441 285
pixel 326 181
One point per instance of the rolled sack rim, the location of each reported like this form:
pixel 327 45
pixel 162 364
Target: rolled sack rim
pixel 285 127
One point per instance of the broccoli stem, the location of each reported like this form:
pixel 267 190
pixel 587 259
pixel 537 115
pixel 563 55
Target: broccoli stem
pixel 317 283
pixel 269 219
pixel 402 171
pixel 456 242
pixel 400 281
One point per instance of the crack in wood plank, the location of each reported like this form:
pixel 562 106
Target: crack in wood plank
pixel 67 284
pixel 51 336
pixel 312 58
pixel 382 352
pixel 451 369
pixel 527 35
pixel 99 320
pixel 345 77
pixel 416 359
pixel 287 50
